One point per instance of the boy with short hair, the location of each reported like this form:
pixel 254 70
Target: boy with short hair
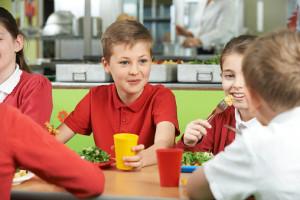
pixel 263 161
pixel 130 104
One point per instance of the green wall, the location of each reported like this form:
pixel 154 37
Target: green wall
pixel 191 104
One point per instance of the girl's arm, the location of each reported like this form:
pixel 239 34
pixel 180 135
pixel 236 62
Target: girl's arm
pixel 64 133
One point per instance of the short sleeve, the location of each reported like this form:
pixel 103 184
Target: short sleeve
pixel 36 101
pixel 231 173
pixel 165 108
pixel 79 119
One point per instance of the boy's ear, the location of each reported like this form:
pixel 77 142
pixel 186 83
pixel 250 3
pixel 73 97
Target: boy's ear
pixel 254 100
pixel 261 108
pixel 105 64
pixel 19 43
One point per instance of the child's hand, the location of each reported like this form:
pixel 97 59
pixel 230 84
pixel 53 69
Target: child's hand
pixel 135 161
pixel 194 132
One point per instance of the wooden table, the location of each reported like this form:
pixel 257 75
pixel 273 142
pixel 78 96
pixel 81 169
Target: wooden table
pixel 142 184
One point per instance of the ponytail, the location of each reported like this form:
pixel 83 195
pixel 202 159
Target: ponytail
pixel 21 61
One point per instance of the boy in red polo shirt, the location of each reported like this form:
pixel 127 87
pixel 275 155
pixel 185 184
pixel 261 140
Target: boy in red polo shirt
pixel 130 104
pixel 24 143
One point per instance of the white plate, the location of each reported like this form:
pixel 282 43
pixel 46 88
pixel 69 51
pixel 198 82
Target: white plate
pixel 21 179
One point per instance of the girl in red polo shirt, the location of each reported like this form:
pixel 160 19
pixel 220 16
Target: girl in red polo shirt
pixel 212 136
pixel 30 93
pixel 25 144
pixel 130 104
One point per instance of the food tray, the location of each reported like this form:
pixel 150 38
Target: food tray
pixel 163 73
pixel 81 72
pixel 204 73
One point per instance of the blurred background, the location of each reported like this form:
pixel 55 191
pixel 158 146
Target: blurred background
pixel 53 27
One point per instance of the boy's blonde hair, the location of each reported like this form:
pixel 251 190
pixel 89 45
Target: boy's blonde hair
pixel 127 32
pixel 271 67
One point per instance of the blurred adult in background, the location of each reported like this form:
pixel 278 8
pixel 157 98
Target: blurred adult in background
pixel 125 16
pixel 293 22
pixel 30 93
pixel 211 25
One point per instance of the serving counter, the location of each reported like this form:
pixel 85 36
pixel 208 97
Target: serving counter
pixel 143 184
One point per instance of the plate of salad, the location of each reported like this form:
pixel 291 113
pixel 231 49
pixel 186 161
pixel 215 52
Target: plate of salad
pixel 192 160
pixel 97 156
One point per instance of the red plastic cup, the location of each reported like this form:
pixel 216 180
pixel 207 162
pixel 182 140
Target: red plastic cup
pixel 169 163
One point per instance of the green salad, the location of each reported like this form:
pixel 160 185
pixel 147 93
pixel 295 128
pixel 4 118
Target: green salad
pixel 214 60
pixel 94 154
pixel 195 158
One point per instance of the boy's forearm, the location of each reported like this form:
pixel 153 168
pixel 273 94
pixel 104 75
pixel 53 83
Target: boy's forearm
pixel 64 133
pixel 59 137
pixel 164 138
pixel 149 154
pixel 198 186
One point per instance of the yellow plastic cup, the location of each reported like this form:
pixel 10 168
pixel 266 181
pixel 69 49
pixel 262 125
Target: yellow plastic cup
pixel 123 147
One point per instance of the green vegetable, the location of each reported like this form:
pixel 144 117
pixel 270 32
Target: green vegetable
pixel 195 158
pixel 214 60
pixel 94 154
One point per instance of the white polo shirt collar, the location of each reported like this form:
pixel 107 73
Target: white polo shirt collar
pixel 240 124
pixel 9 85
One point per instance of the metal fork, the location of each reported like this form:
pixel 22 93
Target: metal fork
pixel 220 108
pixel 232 129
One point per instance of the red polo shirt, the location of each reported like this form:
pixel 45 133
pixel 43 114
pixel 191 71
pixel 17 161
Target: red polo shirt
pixel 102 112
pixel 217 137
pixel 33 97
pixel 25 143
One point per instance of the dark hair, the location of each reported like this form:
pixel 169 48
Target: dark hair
pixel 236 45
pixel 9 22
pixel 124 32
